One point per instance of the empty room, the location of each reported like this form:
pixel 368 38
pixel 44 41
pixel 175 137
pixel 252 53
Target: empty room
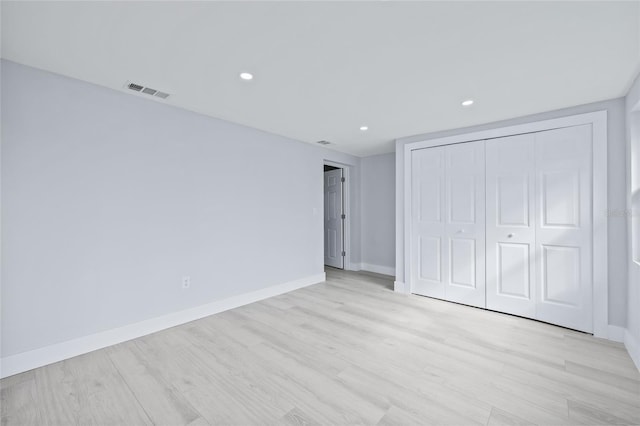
pixel 320 213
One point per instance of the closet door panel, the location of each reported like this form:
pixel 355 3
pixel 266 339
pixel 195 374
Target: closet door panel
pixel 463 262
pixel 510 227
pixel 513 275
pixel 563 227
pixel 465 223
pixel 428 235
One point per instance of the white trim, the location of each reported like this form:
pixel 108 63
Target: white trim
pixel 406 265
pixel 353 266
pixel 399 287
pixel 598 121
pixel 347 188
pixel 378 269
pixel 616 333
pixel 399 228
pixel 600 238
pixel 25 361
pixel 518 129
pixel 633 347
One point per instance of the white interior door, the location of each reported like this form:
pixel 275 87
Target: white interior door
pixel 447 222
pixel 511 225
pixel 563 227
pixel 333 219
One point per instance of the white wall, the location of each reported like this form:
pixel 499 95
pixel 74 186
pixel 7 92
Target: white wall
pixel 617 225
pixel 632 335
pixel 378 213
pixel 108 199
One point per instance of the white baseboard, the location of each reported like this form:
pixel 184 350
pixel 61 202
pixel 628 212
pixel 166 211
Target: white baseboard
pixel 633 347
pixel 353 266
pixel 616 333
pixel 378 269
pixel 29 360
pixel 400 287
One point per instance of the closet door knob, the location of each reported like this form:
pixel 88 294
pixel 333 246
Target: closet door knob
pixel 510 235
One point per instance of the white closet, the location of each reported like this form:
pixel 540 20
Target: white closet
pixel 505 224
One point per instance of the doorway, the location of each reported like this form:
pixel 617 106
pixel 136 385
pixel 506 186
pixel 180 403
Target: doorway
pixel 334 216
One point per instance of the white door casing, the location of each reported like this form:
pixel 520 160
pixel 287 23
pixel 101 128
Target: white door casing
pixel 511 224
pixel 333 222
pixel 448 223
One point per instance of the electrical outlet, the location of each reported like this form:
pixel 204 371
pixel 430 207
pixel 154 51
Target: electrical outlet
pixel 186 282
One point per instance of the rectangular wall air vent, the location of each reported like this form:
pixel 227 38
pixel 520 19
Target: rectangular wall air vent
pixel 147 90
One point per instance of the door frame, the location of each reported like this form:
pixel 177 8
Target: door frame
pixel 598 122
pixel 346 208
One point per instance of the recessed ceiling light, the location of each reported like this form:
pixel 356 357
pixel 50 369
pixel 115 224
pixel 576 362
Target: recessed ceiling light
pixel 364 128
pixel 468 102
pixel 246 76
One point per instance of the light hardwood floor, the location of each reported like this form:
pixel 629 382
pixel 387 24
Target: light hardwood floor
pixel 348 351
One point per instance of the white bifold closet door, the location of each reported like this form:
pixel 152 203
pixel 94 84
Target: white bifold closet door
pixel 564 227
pixel 539 226
pixel 448 223
pixel 511 225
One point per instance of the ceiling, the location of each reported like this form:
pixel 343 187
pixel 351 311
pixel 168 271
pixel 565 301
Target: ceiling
pixel 324 69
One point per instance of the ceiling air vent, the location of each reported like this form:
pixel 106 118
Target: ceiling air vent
pixel 324 142
pixel 147 90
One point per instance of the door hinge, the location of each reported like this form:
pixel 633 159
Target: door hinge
pixel 344 253
pixel 342 179
pixel 343 216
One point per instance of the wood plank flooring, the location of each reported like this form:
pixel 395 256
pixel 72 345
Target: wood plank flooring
pixel 347 351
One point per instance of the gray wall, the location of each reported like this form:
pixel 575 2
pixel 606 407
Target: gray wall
pixel 633 188
pixel 108 199
pixel 616 195
pixel 378 211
